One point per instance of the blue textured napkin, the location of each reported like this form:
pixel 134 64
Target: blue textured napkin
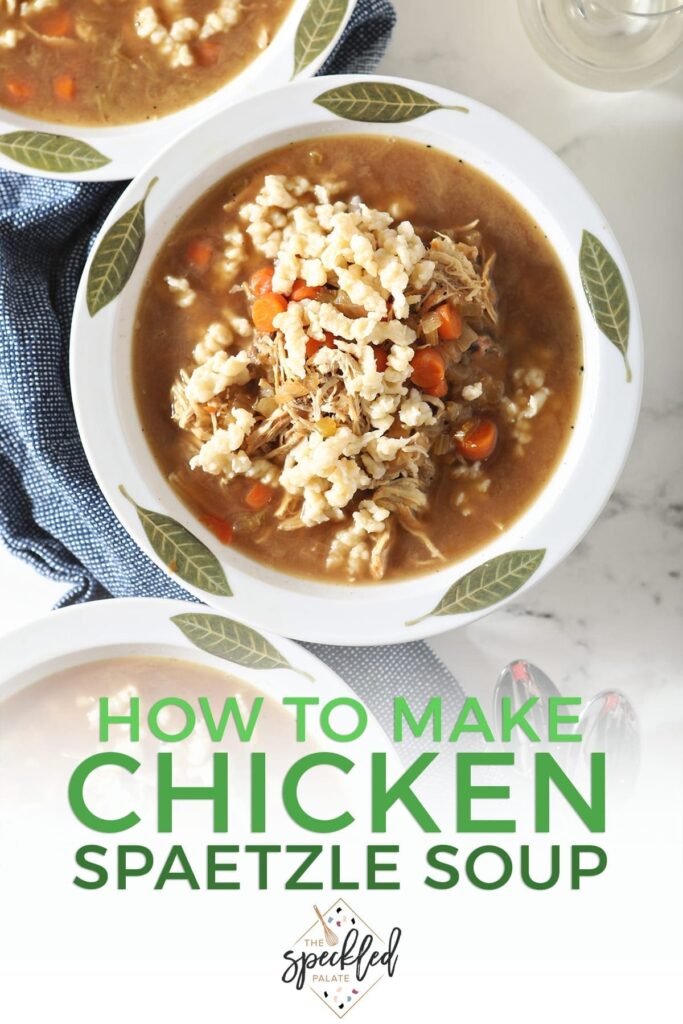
pixel 52 514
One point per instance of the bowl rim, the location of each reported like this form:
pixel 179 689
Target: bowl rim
pixel 335 613
pixel 128 148
pixel 142 626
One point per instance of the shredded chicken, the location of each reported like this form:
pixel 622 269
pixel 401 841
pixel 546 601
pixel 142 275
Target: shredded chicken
pixel 464 277
pixel 322 404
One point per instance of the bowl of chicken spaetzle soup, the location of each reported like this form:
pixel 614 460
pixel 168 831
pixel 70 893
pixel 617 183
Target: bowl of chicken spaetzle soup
pixel 362 369
pixel 94 89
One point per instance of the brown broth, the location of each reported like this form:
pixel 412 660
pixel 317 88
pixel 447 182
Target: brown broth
pixel 538 327
pixel 119 78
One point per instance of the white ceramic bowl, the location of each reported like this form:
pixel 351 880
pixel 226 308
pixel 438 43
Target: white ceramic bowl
pixel 143 627
pixel 572 498
pixel 121 151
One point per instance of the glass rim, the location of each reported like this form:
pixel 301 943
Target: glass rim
pixel 628 8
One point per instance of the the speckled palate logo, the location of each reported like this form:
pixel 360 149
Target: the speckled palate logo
pixel 340 958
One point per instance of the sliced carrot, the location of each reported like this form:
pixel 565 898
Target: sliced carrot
pixel 199 253
pixel 313 345
pixel 450 327
pixel 479 440
pixel 429 369
pixel 300 291
pixel 56 24
pixel 207 52
pixel 19 89
pixel 265 309
pixel 64 87
pixel 440 390
pixel 261 281
pixel 381 359
pixel 258 496
pixel 221 528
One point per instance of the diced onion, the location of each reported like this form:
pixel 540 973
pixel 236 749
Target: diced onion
pixel 348 308
pixel 430 323
pixel 467 338
pixel 442 444
pixel 292 389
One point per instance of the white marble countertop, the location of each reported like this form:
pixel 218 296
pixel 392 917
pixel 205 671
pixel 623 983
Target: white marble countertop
pixel 611 614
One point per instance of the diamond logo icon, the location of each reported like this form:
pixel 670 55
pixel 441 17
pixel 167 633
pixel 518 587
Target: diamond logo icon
pixel 340 958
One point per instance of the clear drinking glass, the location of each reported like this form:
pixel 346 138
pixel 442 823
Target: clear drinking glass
pixel 608 44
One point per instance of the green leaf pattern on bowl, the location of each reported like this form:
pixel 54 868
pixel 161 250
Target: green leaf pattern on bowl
pixel 488 584
pixel 606 294
pixel 182 552
pixel 116 256
pixel 319 25
pixel 379 103
pixel 232 641
pixel 43 151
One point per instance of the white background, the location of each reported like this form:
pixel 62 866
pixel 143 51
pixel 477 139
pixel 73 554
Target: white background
pixel 610 616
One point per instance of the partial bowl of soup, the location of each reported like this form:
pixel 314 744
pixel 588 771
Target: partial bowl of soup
pixel 173 681
pixel 91 89
pixel 366 362
pixel 163 656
